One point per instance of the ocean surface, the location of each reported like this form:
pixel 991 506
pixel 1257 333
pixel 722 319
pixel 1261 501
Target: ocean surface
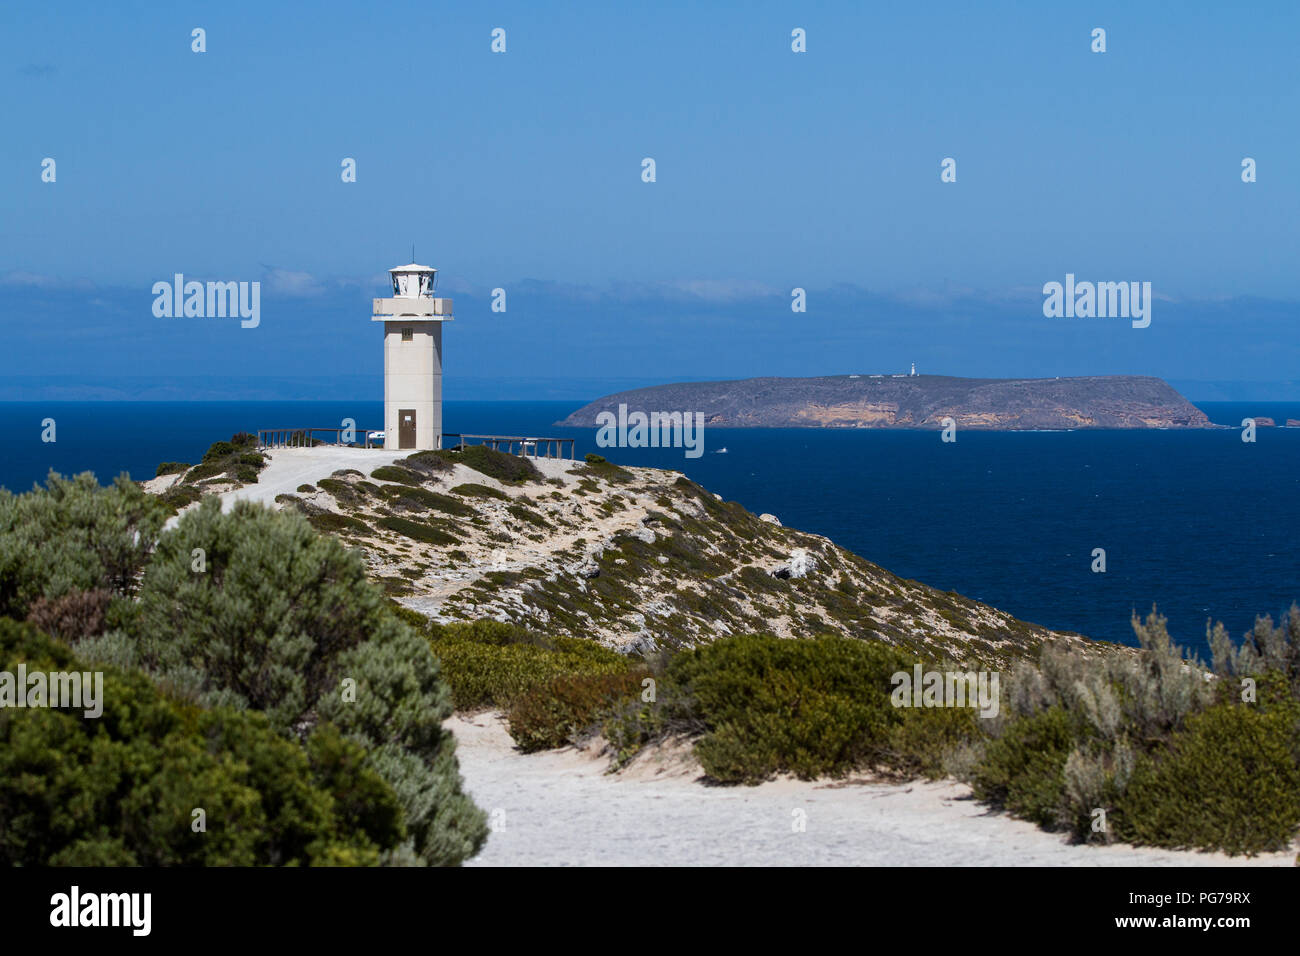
pixel 1199 523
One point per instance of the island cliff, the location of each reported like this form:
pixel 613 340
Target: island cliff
pixel 915 401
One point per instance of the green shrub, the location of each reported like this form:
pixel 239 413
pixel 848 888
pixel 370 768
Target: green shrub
pixel 632 724
pixel 238 459
pixel 471 490
pixel 401 475
pixel 279 618
pixel 344 492
pixel 771 705
pixel 527 515
pixel 1173 758
pixel 178 496
pixel 1229 781
pixel 120 790
pixel 416 531
pixel 307 489
pixel 1096 775
pixel 422 499
pixel 1023 771
pixel 564 708
pixel 331 522
pixel 170 468
pixel 598 467
pixel 592 458
pixel 429 463
pixel 921 744
pixel 507 469
pixel 207 469
pixel 74 535
pixel 489 663
pixel 412 618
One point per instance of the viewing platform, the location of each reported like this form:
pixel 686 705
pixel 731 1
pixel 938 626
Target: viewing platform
pixel 528 447
pixel 521 445
pixel 307 437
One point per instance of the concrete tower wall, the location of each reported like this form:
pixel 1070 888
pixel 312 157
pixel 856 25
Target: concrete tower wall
pixel 413 381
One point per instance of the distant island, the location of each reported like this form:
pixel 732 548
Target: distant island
pixel 915 401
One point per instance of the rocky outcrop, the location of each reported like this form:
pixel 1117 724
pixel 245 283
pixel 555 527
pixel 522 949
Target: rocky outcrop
pixel 914 401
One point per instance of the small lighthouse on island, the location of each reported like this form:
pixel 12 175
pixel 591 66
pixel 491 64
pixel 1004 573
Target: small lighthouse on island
pixel 413 320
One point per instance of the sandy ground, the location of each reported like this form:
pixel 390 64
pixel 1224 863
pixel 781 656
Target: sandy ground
pixel 561 808
pixel 288 468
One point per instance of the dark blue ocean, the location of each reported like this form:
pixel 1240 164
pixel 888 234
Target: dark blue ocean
pixel 1197 522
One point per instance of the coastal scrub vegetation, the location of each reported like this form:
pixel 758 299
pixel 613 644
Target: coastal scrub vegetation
pixel 254 671
pixel 237 459
pixel 1143 746
pixel 491 664
pixel 235 462
pixel 121 790
pixel 757 706
pixel 251 670
pixel 1155 748
pixel 507 469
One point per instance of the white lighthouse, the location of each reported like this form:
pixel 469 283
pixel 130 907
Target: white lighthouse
pixel 413 358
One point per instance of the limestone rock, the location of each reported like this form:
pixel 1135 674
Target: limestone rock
pixel 800 565
pixel 586 569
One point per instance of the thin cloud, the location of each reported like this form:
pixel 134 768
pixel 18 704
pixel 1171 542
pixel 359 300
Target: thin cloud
pixel 291 284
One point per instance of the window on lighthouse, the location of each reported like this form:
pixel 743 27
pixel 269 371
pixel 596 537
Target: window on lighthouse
pixel 408 335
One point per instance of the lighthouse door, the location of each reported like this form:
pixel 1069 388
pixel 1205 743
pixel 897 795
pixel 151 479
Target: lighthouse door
pixel 406 428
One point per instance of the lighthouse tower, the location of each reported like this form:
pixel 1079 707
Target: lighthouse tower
pixel 413 358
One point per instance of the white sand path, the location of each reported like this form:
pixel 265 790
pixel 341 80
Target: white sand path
pixel 560 808
pixel 287 468
pixel 290 467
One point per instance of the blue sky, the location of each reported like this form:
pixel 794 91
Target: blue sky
pixel 774 170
